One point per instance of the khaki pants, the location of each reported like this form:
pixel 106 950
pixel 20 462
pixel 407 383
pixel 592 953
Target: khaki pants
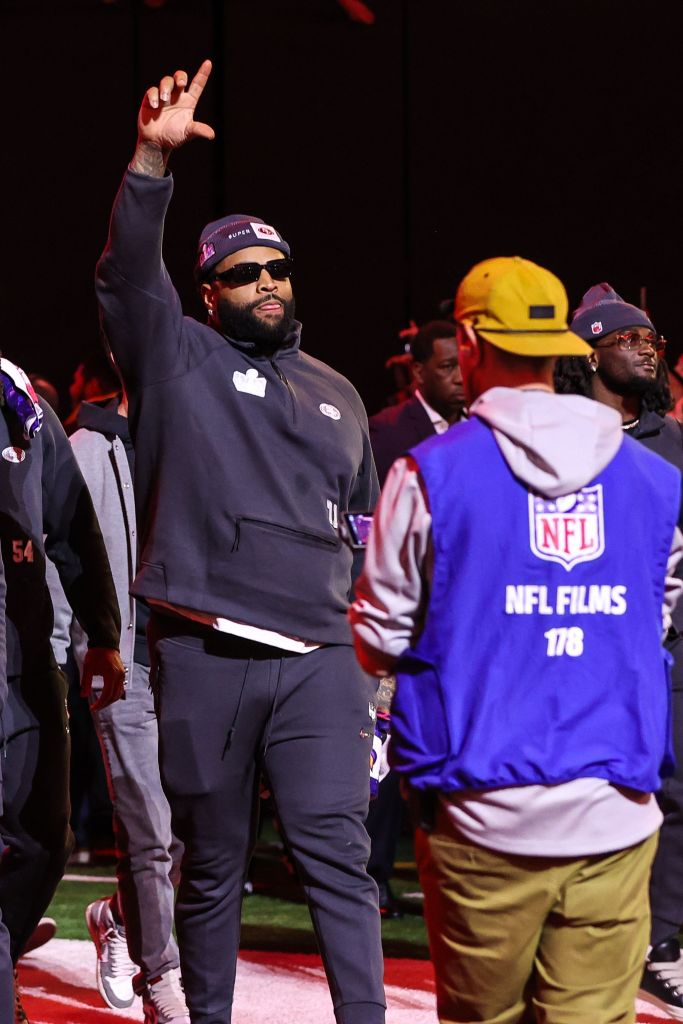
pixel 517 939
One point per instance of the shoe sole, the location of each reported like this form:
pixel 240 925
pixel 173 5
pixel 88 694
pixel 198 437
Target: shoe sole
pixel 95 936
pixel 674 1012
pixel 42 933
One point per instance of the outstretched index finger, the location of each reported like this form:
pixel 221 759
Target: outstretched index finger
pixel 198 83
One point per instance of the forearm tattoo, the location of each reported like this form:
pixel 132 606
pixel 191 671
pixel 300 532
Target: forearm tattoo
pixel 149 160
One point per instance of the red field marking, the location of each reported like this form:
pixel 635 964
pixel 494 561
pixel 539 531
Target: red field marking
pixel 60 989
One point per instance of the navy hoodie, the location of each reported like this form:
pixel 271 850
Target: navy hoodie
pixel 244 462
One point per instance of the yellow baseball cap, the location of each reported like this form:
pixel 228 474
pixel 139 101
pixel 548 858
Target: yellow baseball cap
pixel 518 306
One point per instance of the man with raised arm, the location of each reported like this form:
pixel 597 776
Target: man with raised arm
pixel 247 452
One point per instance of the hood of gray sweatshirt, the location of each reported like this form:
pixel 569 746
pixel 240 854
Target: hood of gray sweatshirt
pixel 554 444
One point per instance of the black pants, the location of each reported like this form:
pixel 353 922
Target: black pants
pixel 225 708
pixel 35 819
pixel 383 823
pixel 666 883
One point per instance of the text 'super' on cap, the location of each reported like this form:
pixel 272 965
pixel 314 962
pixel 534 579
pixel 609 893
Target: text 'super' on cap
pixel 223 237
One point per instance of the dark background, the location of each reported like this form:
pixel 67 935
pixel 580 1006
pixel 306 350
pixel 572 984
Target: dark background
pixel 391 157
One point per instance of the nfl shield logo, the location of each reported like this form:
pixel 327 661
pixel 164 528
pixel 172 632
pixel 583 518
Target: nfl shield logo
pixel 570 529
pixel 596 328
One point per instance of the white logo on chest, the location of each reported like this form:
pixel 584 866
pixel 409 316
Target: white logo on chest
pixel 330 410
pixel 13 454
pixel 250 383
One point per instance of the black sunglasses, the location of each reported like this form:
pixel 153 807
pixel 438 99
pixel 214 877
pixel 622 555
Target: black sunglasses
pixel 247 273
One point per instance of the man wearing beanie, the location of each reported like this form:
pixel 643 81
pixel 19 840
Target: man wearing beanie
pixel 247 451
pixel 531 712
pixel 626 370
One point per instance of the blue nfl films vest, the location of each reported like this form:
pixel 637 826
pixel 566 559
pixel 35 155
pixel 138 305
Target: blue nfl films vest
pixel 541 659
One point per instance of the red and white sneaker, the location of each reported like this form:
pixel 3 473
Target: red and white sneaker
pixel 115 970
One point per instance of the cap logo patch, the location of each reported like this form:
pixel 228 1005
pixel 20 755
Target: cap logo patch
pixel 265 231
pixel 569 529
pixel 541 312
pixel 13 454
pixel 330 410
pixel 596 328
pixel 250 383
pixel 206 253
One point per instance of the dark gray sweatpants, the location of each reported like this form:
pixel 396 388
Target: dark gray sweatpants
pixel 225 707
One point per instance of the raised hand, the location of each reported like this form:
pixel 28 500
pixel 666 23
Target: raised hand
pixel 166 119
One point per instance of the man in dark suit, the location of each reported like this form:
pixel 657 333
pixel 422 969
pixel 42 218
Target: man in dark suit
pixel 438 400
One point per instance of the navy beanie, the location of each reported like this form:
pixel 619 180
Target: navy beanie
pixel 602 311
pixel 222 237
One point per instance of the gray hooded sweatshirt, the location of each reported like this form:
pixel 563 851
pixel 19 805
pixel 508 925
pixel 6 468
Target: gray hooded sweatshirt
pixel 554 445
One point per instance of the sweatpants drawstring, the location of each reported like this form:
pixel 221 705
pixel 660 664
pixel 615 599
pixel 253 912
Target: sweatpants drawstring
pixel 269 725
pixel 231 730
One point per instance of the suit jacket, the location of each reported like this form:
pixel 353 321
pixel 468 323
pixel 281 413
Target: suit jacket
pixel 396 429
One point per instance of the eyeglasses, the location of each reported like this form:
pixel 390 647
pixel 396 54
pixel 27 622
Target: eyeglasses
pixel 247 273
pixel 629 340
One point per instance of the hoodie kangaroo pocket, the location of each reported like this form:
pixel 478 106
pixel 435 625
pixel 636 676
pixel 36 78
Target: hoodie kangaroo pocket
pixel 289 573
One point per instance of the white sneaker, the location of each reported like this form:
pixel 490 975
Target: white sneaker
pixel 163 1000
pixel 115 970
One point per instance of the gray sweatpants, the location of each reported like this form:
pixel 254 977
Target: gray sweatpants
pixel 227 707
pixel 148 855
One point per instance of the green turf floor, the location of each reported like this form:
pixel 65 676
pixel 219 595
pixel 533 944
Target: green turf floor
pixel 274 917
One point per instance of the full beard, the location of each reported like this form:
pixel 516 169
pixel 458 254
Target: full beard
pixel 633 384
pixel 243 324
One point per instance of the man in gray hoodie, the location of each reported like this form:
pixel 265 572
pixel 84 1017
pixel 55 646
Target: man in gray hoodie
pixel 510 584
pixel 133 929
